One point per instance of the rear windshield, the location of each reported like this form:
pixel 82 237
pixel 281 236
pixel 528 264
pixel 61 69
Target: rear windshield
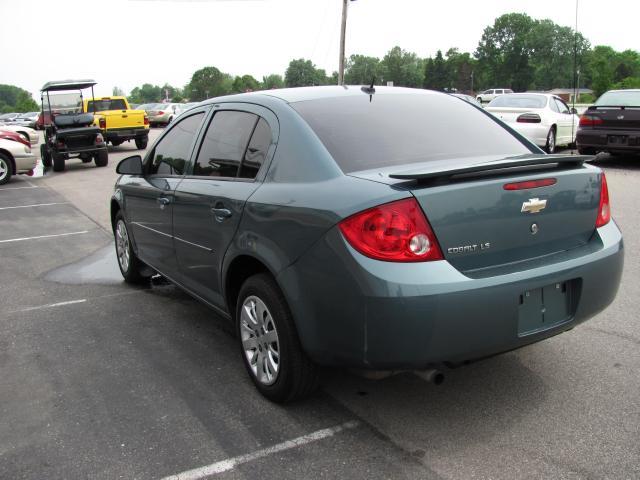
pixel 105 105
pixel 519 101
pixel 629 98
pixel 400 129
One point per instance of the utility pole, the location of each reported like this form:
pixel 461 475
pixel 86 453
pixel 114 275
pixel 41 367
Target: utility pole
pixel 343 29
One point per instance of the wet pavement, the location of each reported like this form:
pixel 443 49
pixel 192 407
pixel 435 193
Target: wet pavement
pixel 102 380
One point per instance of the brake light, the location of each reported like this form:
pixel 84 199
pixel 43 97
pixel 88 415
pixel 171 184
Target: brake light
pixel 590 120
pixel 604 209
pixel 102 122
pixel 159 112
pixel 393 232
pixel 529 118
pixel 60 144
pixel 526 185
pixel 99 139
pixel 146 120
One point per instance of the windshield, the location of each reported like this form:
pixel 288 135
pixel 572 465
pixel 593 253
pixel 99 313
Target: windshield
pixel 106 104
pixel 63 103
pixel 400 129
pixel 627 98
pixel 519 101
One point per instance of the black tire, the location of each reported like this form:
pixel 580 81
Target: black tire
pixel 586 151
pixel 142 142
pixel 297 376
pixel 101 158
pixel 58 162
pixel 6 169
pixel 550 147
pixel 116 143
pixel 45 155
pixel 133 270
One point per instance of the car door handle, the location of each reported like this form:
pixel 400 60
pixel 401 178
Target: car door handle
pixel 163 201
pixel 221 213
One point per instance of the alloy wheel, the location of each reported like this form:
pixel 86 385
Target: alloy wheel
pixel 260 340
pixel 122 246
pixel 4 169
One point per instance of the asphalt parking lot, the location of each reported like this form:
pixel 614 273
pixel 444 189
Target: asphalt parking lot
pixel 102 380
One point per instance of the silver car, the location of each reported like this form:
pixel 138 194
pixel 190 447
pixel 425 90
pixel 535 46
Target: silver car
pixel 162 113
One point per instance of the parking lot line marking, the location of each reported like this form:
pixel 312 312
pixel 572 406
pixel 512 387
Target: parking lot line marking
pixel 52 305
pixel 17 188
pixel 35 205
pixel 231 463
pixel 43 236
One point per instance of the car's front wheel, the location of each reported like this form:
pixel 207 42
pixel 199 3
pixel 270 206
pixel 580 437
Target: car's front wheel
pixel 58 162
pixel 133 270
pixel 271 350
pixel 6 169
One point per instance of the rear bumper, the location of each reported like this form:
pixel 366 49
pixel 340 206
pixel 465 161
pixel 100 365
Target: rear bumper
pixel 354 311
pixel 125 133
pixel 599 140
pixel 535 132
pixel 24 163
pixel 160 118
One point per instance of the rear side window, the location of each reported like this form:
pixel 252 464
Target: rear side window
pixel 173 151
pixel 225 144
pixel 400 129
pixel 257 150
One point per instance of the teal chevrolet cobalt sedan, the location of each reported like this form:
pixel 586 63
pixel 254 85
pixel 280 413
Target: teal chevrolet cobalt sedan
pixel 366 227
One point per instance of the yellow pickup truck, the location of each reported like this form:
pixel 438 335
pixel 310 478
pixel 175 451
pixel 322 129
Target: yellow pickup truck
pixel 118 122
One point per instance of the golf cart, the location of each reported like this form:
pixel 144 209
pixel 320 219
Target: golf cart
pixel 68 132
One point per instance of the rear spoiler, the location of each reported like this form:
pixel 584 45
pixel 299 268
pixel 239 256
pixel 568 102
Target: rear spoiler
pixel 592 108
pixel 441 171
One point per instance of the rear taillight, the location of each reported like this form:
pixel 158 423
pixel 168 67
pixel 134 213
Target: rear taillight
pixel 160 112
pixel 526 185
pixel 99 139
pixel 102 123
pixel 393 232
pixel 146 120
pixel 604 209
pixel 529 118
pixel 590 120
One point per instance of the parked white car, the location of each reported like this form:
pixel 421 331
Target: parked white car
pixel 15 158
pixel 544 119
pixel 489 95
pixel 28 133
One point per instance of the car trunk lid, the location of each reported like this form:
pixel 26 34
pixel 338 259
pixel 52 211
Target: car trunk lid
pixel 480 224
pixel 623 118
pixel 509 115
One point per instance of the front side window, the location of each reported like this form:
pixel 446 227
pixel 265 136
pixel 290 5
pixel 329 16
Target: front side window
pixel 172 153
pixel 225 144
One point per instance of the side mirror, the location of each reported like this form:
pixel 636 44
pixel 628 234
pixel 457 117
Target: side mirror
pixel 130 166
pixel 574 111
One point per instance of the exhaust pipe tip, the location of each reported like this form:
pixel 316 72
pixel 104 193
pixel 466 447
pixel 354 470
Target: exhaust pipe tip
pixel 432 376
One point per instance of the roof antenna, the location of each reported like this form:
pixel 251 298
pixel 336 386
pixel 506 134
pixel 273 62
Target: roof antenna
pixel 370 89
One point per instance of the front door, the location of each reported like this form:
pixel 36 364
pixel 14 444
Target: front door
pixel 150 201
pixel 209 202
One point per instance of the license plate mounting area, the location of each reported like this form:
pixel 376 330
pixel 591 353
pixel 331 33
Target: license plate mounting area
pixel 547 307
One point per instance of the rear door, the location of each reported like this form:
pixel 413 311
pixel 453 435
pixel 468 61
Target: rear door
pixel 149 202
pixel 209 202
pixel 566 121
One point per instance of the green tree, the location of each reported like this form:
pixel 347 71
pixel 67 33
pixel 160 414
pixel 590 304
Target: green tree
pixel 208 82
pixel 504 51
pixel 15 99
pixel 460 67
pixel 302 73
pixel 403 68
pixel 146 93
pixel 117 92
pixel 272 81
pixel 361 70
pixel 245 83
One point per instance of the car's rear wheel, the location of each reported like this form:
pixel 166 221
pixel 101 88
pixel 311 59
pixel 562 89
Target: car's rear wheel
pixel 58 162
pixel 6 169
pixel 132 269
pixel 271 350
pixel 101 158
pixel 116 143
pixel 45 155
pixel 550 147
pixel 142 142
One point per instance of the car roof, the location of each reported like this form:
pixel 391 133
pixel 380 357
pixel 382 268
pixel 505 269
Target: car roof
pixel 301 94
pixel 67 85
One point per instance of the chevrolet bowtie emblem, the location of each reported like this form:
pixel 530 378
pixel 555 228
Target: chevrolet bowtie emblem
pixel 533 205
